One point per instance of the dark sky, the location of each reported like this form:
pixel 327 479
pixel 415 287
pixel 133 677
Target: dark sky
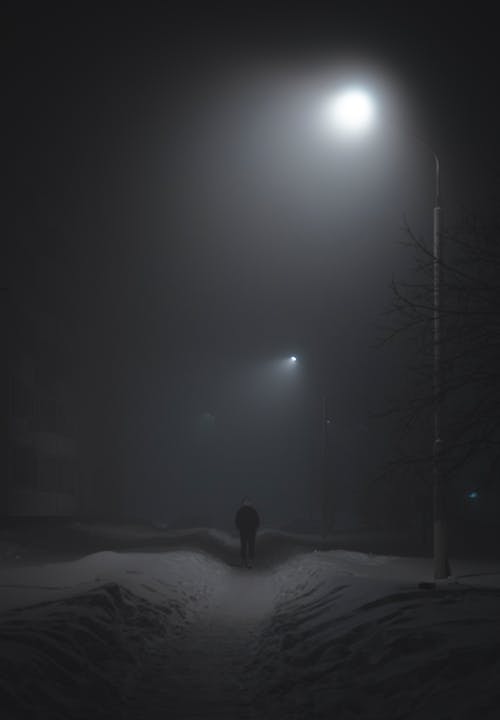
pixel 178 231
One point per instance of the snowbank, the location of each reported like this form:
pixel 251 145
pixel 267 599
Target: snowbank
pixel 363 642
pixel 70 628
pixel 185 633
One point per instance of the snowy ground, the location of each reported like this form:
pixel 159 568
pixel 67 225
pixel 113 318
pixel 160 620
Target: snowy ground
pixel 186 633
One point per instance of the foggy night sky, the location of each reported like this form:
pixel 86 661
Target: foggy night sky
pixel 185 229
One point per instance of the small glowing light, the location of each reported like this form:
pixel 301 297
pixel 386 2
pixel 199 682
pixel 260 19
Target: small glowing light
pixel 352 111
pixel 293 359
pixel 473 495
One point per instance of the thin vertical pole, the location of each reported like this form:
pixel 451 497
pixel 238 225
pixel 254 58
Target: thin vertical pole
pixel 440 545
pixel 324 468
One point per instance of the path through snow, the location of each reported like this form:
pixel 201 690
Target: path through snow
pixel 183 634
pixel 213 673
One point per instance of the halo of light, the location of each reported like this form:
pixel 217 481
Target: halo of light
pixel 351 111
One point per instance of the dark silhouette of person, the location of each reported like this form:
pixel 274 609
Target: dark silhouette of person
pixel 247 521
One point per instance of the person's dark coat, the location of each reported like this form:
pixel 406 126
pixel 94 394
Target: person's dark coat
pixel 247 519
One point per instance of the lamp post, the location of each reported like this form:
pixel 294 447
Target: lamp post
pixel 352 112
pixel 441 563
pixel 325 421
pixel 324 469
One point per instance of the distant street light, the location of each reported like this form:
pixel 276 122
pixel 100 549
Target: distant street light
pixel 325 422
pixel 352 112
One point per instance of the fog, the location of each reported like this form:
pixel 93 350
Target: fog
pixel 198 242
pixel 248 241
pixel 189 220
pixel 206 507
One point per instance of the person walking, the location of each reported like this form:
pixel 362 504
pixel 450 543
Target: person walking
pixel 247 521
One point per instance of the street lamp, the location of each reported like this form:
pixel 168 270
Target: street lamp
pixel 325 422
pixel 352 112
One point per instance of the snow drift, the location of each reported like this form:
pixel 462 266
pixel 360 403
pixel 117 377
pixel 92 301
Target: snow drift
pixel 185 634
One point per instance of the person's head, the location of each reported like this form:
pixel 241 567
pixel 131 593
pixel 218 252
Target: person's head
pixel 246 501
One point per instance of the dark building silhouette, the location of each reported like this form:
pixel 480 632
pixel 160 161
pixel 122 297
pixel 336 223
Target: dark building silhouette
pixel 40 465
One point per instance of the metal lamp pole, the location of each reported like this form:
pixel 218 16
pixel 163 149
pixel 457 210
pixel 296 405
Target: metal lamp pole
pixel 352 111
pixel 324 468
pixel 441 564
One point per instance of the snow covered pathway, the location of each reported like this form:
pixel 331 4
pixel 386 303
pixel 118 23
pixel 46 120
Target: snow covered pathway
pixel 213 667
pixel 183 634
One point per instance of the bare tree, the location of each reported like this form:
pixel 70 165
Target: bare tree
pixel 469 391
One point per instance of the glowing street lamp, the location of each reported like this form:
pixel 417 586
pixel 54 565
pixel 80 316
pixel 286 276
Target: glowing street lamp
pixel 352 113
pixel 325 422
